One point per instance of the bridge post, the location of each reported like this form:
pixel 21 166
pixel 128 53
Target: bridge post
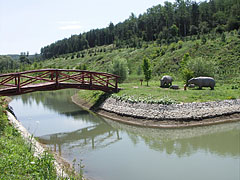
pixel 17 80
pixel 116 84
pixel 52 75
pixel 90 83
pixel 107 82
pixel 56 80
pixel 82 75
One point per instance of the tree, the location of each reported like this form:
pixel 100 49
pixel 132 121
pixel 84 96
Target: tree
pixel 201 67
pixel 174 30
pixel 147 69
pixel 193 30
pixel 120 68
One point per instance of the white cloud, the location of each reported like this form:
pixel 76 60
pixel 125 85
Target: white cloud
pixel 69 25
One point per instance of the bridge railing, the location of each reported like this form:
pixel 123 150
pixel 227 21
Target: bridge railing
pixel 59 78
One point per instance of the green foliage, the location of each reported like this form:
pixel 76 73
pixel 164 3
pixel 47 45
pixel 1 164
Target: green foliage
pixel 185 60
pixel 233 23
pixel 200 67
pixel 187 74
pixel 180 44
pixel 164 23
pixel 81 67
pixel 193 30
pixel 7 64
pixel 17 159
pixel 147 69
pixel 149 100
pixel 174 30
pixel 223 37
pixel 120 67
pixel 219 29
pixel 203 39
pixel 133 93
pixel 203 26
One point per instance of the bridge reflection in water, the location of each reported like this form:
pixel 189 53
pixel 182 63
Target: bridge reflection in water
pixel 99 136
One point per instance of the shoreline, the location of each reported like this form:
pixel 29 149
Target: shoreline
pixel 39 148
pixel 110 109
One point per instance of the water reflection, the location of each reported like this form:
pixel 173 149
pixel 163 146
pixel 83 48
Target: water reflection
pixel 98 136
pixel 218 139
pixel 222 139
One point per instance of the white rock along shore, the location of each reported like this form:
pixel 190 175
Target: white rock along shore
pixel 37 148
pixel 183 111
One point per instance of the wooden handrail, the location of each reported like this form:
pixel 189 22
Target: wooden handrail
pixel 53 79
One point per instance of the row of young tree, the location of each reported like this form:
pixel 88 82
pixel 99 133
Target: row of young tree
pixel 165 23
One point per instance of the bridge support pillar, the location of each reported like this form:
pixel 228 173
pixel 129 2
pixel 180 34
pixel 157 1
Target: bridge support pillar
pixel 17 82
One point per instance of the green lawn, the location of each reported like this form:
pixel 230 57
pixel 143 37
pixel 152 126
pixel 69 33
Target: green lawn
pixel 136 92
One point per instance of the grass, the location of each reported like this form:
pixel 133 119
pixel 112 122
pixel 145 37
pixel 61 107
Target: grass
pixel 134 92
pixel 17 159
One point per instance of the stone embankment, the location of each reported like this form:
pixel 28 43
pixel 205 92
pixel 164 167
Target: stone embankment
pixel 183 111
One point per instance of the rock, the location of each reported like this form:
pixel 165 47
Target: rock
pixel 174 87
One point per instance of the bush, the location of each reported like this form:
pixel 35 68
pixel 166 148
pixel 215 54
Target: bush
pixel 119 67
pixel 180 44
pixel 187 74
pixel 203 39
pixel 219 29
pixel 201 67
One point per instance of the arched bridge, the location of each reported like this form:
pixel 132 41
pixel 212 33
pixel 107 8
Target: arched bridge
pixel 54 79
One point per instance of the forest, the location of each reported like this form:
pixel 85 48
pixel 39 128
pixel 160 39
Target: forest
pixel 165 24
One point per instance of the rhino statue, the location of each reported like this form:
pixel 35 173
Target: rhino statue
pixel 203 82
pixel 166 81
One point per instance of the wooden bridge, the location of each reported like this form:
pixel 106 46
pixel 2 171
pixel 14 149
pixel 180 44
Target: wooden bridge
pixel 54 79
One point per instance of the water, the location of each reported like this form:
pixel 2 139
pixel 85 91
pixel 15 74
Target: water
pixel 114 151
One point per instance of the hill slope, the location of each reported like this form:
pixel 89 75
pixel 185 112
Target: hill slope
pixel 165 59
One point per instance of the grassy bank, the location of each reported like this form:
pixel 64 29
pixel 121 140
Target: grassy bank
pixel 134 92
pixel 17 160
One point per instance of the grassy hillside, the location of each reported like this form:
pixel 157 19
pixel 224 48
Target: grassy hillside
pixel 219 53
pixel 165 59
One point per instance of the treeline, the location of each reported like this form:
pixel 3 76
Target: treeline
pixel 165 23
pixel 7 64
pixel 12 63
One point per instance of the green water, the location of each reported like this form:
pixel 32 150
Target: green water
pixel 114 151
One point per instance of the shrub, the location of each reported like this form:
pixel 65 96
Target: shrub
pixel 180 44
pixel 119 67
pixel 187 74
pixel 201 67
pixel 219 29
pixel 223 37
pixel 203 39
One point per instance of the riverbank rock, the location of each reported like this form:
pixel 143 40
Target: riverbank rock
pixel 183 111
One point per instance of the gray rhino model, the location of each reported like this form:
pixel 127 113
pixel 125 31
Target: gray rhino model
pixel 166 81
pixel 203 82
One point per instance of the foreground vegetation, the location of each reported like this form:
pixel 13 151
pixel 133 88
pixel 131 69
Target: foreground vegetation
pixel 17 160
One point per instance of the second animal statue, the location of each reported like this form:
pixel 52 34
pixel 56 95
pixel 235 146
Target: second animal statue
pixel 166 81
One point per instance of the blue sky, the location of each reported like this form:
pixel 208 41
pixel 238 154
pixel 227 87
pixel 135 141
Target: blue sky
pixel 28 25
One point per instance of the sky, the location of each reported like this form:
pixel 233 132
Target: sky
pixel 29 25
